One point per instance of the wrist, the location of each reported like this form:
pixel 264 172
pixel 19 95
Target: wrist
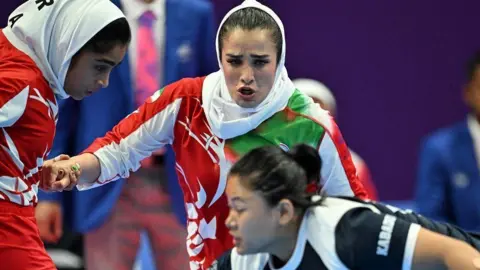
pixel 89 168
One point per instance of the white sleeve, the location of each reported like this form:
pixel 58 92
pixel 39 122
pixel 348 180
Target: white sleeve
pixel 136 137
pixel 333 176
pixel 338 176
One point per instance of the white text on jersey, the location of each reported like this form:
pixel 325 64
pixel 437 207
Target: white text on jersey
pixel 385 235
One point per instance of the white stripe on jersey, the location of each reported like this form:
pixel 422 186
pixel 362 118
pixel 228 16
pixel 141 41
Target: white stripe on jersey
pixel 13 109
pixel 13 188
pixel 16 189
pixel 12 151
pixel 410 246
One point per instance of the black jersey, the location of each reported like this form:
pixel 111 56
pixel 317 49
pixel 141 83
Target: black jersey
pixel 348 233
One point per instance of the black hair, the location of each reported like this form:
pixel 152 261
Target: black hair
pixel 278 174
pixel 251 18
pixel 115 33
pixel 472 65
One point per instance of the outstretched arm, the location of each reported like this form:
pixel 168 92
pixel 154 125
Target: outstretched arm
pixel 371 240
pixel 120 151
pixel 435 251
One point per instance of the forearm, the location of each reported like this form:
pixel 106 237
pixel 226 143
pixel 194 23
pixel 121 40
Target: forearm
pixel 444 253
pixel 460 256
pixel 90 168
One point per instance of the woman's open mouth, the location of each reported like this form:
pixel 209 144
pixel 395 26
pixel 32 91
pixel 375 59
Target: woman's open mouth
pixel 246 93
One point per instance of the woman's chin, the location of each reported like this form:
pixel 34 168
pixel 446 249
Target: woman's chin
pixel 246 103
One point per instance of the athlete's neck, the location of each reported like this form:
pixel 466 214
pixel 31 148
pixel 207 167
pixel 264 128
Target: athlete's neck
pixel 285 245
pixel 477 117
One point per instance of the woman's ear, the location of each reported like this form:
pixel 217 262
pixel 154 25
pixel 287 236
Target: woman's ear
pixel 286 210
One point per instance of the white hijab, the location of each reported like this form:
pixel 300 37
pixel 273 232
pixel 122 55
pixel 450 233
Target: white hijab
pixel 225 117
pixel 52 35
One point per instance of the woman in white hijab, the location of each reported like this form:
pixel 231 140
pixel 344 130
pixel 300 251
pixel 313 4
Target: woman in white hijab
pixel 49 50
pixel 211 121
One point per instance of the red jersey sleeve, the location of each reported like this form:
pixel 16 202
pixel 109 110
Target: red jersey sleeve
pixel 138 135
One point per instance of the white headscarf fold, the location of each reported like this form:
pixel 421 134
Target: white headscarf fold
pixel 52 34
pixel 225 117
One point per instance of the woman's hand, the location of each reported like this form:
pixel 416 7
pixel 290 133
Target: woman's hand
pixel 60 173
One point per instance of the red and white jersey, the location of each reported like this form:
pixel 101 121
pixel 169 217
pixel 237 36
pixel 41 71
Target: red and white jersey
pixel 174 115
pixel 28 113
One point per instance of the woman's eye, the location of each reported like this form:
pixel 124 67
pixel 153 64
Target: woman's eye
pixel 101 68
pixel 234 62
pixel 260 63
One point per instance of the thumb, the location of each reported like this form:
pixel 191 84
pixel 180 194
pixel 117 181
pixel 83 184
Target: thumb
pixel 61 157
pixel 61 184
pixel 54 174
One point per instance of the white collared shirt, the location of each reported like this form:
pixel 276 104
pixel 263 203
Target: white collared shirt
pixel 133 9
pixel 474 128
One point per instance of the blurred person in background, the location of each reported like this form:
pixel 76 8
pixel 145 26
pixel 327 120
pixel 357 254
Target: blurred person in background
pixel 325 98
pixel 448 184
pixel 171 39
